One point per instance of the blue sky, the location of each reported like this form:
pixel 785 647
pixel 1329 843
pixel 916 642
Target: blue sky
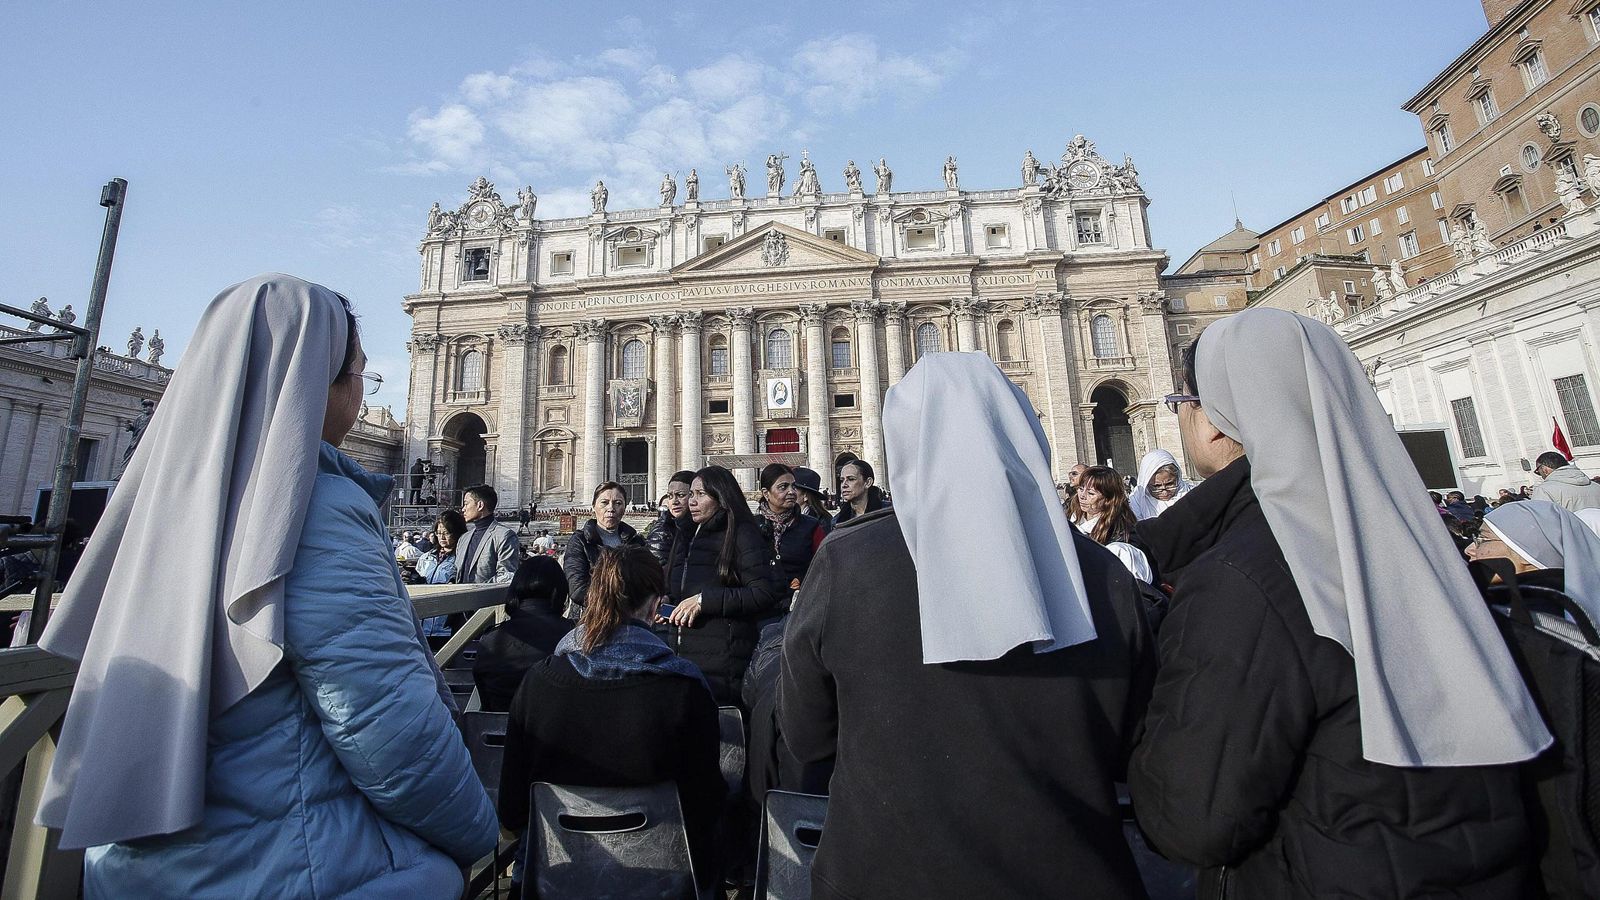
pixel 311 138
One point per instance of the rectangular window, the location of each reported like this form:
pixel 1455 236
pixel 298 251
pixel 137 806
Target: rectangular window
pixel 631 256
pixel 1355 235
pixel 719 360
pixel 841 354
pixel 561 263
pixel 717 407
pixel 1274 248
pixel 1220 301
pixel 1369 194
pixel 1089 228
pixel 475 264
pixel 1533 71
pixel 1572 392
pixel 1279 272
pixel 1394 182
pixel 1177 304
pixel 1483 106
pixel 1444 231
pixel 1348 204
pixel 1427 168
pixel 1349 287
pixel 1594 22
pixel 996 236
pixel 1467 430
pixel 1324 220
pixel 1185 330
pixel 844 401
pixel 1298 235
pixel 1447 142
pixel 921 238
pixel 1255 260
pixel 834 234
pixel 1402 215
pixel 1408 245
pixel 712 242
pixel 1436 199
pixel 1375 227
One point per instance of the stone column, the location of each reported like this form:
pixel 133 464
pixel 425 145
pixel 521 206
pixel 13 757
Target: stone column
pixel 666 398
pixel 1061 403
pixel 690 413
pixel 744 418
pixel 1153 322
pixel 30 437
pixel 510 469
pixel 968 310
pixel 871 391
pixel 424 377
pixel 894 339
pixel 593 334
pixel 819 444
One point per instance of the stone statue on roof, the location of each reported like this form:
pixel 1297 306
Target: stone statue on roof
pixel 691 187
pixel 669 189
pixel 597 197
pixel 1030 169
pixel 40 307
pixel 135 342
pixel 157 347
pixel 885 175
pixel 852 177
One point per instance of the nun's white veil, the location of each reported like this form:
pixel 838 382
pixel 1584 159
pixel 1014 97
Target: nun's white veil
pixel 1143 504
pixel 175 610
pixel 1550 537
pixel 1372 560
pixel 970 469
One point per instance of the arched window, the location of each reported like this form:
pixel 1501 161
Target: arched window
pixel 558 365
pixel 779 347
pixel 928 339
pixel 633 359
pixel 1103 336
pixel 1005 339
pixel 841 348
pixel 471 378
pixel 719 355
pixel 555 467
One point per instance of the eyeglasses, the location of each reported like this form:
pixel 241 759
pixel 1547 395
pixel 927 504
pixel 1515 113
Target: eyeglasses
pixel 373 380
pixel 1173 401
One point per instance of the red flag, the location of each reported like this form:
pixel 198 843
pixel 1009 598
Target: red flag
pixel 1560 440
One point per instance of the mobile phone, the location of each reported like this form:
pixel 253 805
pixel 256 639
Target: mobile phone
pixel 665 610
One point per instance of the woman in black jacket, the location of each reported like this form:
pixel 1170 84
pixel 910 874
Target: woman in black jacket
pixel 858 495
pixel 674 511
pixel 722 581
pixel 794 536
pixel 615 707
pixel 606 529
pixel 534 625
pixel 1335 714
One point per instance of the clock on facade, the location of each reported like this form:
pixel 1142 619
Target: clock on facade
pixel 1083 175
pixel 481 214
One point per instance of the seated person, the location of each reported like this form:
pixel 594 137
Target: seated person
pixel 615 707
pixel 534 601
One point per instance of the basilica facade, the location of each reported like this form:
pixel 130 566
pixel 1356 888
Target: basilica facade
pixel 549 355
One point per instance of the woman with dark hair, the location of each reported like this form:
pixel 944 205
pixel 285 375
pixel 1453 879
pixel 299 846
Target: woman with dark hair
pixel 1335 713
pixel 606 529
pixel 534 626
pixel 857 492
pixel 674 511
pixel 615 707
pixel 794 535
pixel 438 566
pixel 1100 506
pixel 722 580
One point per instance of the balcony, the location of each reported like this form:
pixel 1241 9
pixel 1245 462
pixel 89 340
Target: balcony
pixel 1015 366
pixel 557 392
pixel 466 397
pixel 1110 363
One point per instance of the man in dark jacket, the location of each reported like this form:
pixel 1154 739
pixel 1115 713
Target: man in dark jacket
pixel 960 780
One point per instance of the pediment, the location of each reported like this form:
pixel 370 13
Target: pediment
pixel 771 247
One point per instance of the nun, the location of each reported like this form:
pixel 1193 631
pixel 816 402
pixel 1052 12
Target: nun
pixel 1336 713
pixel 977 685
pixel 1161 484
pixel 256 710
pixel 1548 546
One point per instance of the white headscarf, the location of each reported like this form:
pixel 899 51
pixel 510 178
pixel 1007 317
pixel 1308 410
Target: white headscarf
pixel 1549 537
pixel 1144 505
pixel 970 470
pixel 1374 564
pixel 1590 517
pixel 175 610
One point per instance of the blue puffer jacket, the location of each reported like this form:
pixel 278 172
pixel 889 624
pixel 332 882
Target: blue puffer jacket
pixel 343 774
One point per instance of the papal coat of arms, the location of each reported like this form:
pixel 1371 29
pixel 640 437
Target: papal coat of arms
pixel 775 250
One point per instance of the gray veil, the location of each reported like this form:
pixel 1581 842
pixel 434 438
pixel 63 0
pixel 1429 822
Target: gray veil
pixel 969 467
pixel 1373 562
pixel 175 610
pixel 1550 537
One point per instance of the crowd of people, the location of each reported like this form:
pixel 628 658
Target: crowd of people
pixel 1287 665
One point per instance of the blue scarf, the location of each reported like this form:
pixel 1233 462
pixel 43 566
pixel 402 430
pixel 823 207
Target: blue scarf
pixel 633 650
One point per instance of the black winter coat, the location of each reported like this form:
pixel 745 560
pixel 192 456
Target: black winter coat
pixel 793 551
pixel 724 634
pixel 1250 762
pixel 875 502
pixel 990 779
pixel 660 534
pixel 583 551
pixel 507 651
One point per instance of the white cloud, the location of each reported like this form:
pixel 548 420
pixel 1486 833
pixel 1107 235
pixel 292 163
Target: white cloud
pixel 623 116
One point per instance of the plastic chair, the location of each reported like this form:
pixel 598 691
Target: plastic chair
pixel 791 828
pixel 486 742
pixel 731 757
pixel 589 843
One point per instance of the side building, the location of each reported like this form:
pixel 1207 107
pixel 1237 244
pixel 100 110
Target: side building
pixel 549 355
